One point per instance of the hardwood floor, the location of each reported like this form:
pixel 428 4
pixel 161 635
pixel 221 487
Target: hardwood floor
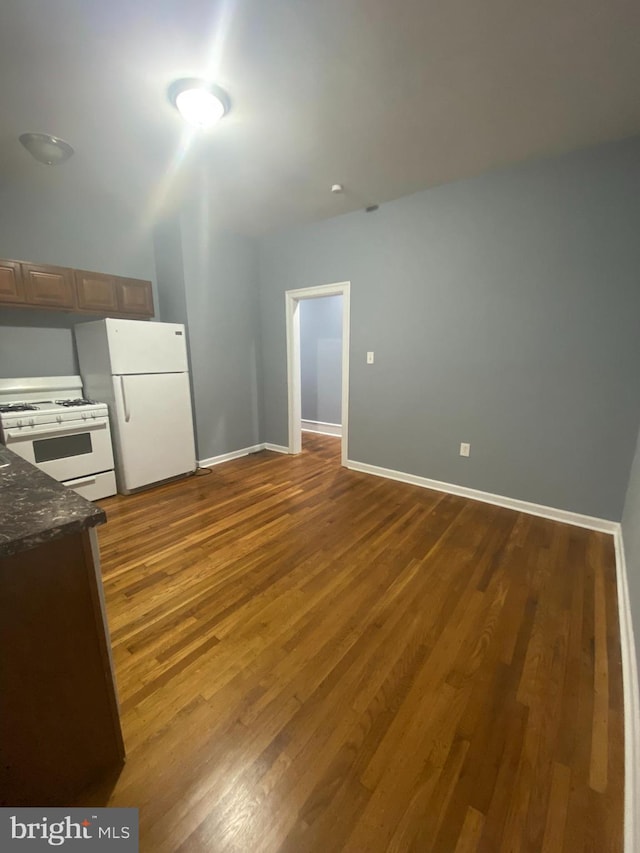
pixel 312 659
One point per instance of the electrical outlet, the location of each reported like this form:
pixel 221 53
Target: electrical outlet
pixel 369 358
pixel 465 448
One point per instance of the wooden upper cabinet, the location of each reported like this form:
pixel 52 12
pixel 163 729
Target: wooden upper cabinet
pixel 27 285
pixel 51 287
pixel 96 292
pixel 11 286
pixel 134 297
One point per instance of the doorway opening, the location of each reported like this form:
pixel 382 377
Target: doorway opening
pixel 294 374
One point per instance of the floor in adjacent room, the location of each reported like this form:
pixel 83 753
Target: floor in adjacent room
pixel 313 659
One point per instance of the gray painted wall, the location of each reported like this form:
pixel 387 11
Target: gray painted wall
pixel 169 264
pixel 631 538
pixel 220 277
pixel 503 311
pixel 321 359
pixel 56 222
pixel 36 343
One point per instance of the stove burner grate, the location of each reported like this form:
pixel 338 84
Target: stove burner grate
pixel 18 407
pixel 73 403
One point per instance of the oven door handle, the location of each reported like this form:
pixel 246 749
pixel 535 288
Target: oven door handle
pixel 60 430
pixel 127 413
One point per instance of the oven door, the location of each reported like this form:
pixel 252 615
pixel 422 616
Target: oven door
pixel 66 450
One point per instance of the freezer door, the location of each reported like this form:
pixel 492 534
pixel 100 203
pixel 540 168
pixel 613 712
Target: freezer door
pixel 138 346
pixel 153 429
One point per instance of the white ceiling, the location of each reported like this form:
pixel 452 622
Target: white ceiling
pixel 384 97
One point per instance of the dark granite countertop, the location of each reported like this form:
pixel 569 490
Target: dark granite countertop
pixel 35 508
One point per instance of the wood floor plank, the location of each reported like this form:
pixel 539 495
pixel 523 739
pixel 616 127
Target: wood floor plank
pixel 557 812
pixel 313 660
pixel 471 831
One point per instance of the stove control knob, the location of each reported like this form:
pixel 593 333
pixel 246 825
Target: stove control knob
pixel 19 422
pixel 59 418
pixel 32 422
pixel 93 414
pixel 84 416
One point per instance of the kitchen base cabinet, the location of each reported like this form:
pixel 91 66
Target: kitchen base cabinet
pixel 59 722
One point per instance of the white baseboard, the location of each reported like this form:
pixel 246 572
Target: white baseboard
pixel 276 448
pixel 244 451
pixel 236 454
pixel 322 427
pixel 631 705
pixel 227 457
pixel 591 522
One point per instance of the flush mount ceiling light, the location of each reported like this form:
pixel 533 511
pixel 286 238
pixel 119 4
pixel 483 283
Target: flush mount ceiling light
pixel 198 102
pixel 46 149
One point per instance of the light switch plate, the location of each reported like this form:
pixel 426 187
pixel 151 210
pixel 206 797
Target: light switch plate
pixel 369 358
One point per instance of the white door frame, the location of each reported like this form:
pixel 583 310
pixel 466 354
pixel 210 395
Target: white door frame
pixel 292 300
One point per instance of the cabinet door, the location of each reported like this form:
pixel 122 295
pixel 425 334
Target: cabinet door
pixel 11 287
pixel 48 286
pixel 134 297
pixel 59 727
pixel 95 292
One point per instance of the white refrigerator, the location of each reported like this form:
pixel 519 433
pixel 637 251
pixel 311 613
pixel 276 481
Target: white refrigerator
pixel 140 369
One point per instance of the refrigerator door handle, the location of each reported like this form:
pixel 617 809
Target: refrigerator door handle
pixel 127 414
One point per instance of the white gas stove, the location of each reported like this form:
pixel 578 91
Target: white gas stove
pixel 47 421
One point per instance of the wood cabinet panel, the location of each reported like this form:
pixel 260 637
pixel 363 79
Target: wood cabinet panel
pixel 134 296
pixel 48 286
pixel 95 291
pixel 27 285
pixel 59 726
pixel 11 287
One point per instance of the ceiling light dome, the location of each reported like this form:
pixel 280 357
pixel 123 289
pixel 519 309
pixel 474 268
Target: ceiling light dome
pixel 200 103
pixel 46 149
